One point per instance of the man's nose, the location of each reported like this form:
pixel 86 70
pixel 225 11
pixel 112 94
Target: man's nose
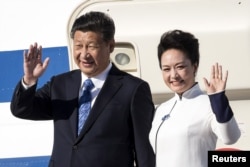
pixel 84 52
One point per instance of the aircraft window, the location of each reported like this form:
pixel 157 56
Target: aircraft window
pixel 124 57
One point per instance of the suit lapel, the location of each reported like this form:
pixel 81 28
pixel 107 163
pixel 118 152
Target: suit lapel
pixel 73 85
pixel 109 89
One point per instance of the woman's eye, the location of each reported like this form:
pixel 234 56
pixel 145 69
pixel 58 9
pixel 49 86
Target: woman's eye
pixel 165 69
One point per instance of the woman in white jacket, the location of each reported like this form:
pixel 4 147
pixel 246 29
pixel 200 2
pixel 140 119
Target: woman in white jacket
pixel 188 125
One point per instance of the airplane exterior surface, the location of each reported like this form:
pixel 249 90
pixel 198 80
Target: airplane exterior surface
pixel 223 29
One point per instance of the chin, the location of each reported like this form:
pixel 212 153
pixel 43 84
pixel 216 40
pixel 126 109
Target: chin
pixel 177 90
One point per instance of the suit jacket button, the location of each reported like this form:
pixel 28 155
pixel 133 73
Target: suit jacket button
pixel 74 147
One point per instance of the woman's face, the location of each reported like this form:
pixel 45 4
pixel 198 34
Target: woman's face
pixel 177 70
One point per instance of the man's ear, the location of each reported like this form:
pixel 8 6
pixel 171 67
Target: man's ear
pixel 111 45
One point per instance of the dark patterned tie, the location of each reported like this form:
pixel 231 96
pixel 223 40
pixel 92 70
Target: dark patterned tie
pixel 84 104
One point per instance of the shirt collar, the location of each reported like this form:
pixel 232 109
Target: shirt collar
pixel 190 93
pixel 99 79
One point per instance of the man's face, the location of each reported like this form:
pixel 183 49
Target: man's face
pixel 91 53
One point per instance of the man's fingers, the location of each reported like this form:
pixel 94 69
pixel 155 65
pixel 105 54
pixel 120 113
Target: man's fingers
pixel 25 57
pixel 45 63
pixel 39 52
pixel 34 52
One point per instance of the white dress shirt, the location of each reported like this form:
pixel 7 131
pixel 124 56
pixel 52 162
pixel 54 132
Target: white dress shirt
pixel 98 82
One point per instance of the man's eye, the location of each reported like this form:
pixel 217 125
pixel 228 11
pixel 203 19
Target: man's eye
pixel 78 45
pixel 180 67
pixel 92 47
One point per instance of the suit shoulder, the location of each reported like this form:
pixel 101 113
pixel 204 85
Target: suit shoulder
pixel 67 74
pixel 134 78
pixel 130 78
pixel 66 77
pixel 116 72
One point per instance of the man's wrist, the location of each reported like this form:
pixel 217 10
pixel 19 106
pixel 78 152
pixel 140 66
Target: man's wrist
pixel 27 85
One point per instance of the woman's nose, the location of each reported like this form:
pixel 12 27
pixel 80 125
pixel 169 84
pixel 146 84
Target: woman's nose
pixel 173 73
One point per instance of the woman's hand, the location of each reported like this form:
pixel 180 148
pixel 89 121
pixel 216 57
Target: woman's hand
pixel 217 80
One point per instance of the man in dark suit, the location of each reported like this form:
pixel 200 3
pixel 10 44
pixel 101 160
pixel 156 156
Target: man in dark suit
pixel 116 131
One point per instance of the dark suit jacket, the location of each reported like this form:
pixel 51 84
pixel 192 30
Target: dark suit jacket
pixel 116 131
